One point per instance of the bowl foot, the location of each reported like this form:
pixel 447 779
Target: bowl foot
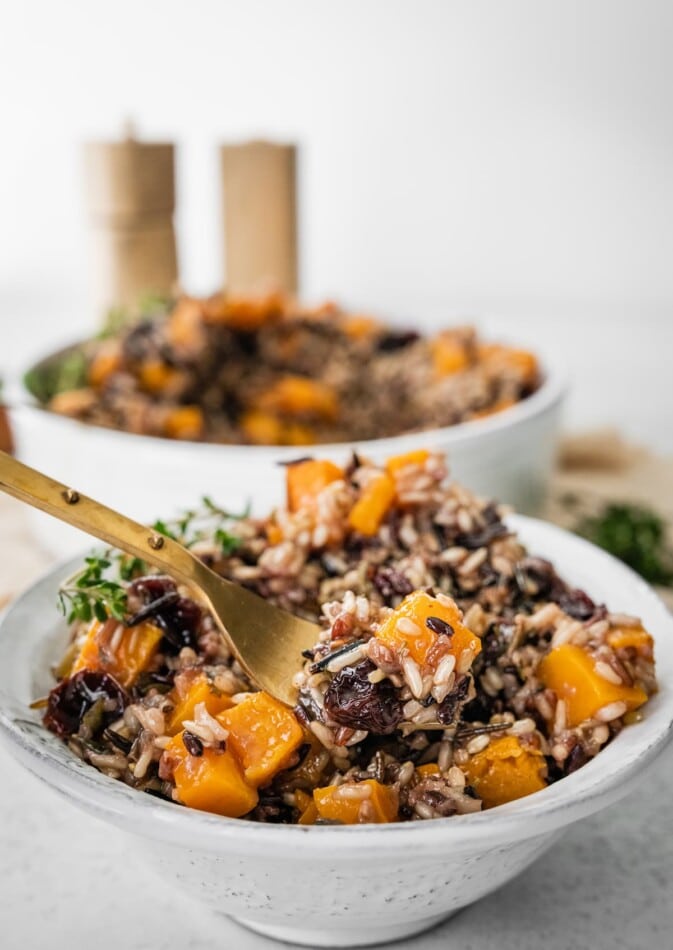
pixel 340 936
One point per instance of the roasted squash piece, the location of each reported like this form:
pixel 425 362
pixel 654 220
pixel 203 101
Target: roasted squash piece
pixel 261 428
pixel 360 327
pixel 184 326
pixel 263 735
pixel 106 360
pixel 124 655
pixel 431 768
pixel 333 803
pixel 571 673
pixel 157 377
pixel 449 356
pixel 200 690
pixel 372 506
pixel 246 314
pixel 636 638
pixel 396 463
pixel 418 621
pixel 505 770
pixel 299 396
pixel 184 422
pixel 212 781
pixel 305 481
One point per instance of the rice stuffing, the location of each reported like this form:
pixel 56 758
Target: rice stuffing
pixel 454 671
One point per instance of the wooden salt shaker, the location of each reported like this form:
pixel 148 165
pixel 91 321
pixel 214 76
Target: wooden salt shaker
pixel 260 216
pixel 130 192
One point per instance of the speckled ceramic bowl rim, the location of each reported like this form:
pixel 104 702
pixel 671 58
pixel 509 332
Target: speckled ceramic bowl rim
pixel 550 394
pixel 603 780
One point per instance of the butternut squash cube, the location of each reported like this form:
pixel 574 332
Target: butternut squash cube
pixel 212 781
pixel 125 657
pixel 184 422
pixel 396 463
pixel 372 506
pixel 263 735
pixel 200 691
pixel 571 673
pixel 299 396
pixel 305 481
pixel 505 771
pixel 448 356
pixel 636 638
pixel 417 623
pixel 333 804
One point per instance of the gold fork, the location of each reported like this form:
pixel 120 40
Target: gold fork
pixel 267 641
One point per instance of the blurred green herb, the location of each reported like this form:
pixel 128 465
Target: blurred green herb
pixel 58 374
pixel 636 535
pixel 210 522
pixel 149 305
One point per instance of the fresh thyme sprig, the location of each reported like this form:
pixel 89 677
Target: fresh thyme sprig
pixel 98 589
pixel 208 523
pixel 90 593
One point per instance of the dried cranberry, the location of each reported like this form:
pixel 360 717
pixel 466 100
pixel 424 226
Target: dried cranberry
pixel 70 701
pixel 151 588
pixel 389 582
pixel 447 710
pixel 482 537
pixel 180 622
pixel 396 340
pixel 578 604
pixel 177 616
pixel 351 700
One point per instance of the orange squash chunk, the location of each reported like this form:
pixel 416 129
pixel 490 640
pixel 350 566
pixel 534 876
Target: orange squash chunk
pixel 372 506
pixel 498 358
pixel 261 428
pixel 307 808
pixel 129 657
pixel 106 361
pixel 505 770
pixel 448 356
pixel 299 396
pixel 505 403
pixel 571 672
pixel 398 462
pixel 243 313
pixel 330 804
pixel 418 638
pixel 305 481
pixel 200 691
pixel 184 326
pixel 431 768
pixel 212 781
pixel 637 638
pixel 156 377
pixel 360 327
pixel 184 422
pixel 263 735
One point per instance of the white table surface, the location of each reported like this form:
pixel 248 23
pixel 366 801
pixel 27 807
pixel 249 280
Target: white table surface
pixel 69 882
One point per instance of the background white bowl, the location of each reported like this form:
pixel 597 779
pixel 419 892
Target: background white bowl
pixel 348 886
pixel 508 456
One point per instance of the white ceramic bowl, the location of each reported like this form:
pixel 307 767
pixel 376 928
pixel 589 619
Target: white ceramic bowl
pixel 347 886
pixel 508 456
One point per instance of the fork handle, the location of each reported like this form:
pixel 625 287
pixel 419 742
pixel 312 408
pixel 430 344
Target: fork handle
pixel 67 504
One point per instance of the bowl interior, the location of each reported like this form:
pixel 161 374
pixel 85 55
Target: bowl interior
pixel 32 636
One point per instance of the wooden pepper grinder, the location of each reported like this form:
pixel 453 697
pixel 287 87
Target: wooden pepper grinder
pixel 260 216
pixel 130 193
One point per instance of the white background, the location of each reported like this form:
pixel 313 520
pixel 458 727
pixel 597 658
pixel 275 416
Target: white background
pixel 507 160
